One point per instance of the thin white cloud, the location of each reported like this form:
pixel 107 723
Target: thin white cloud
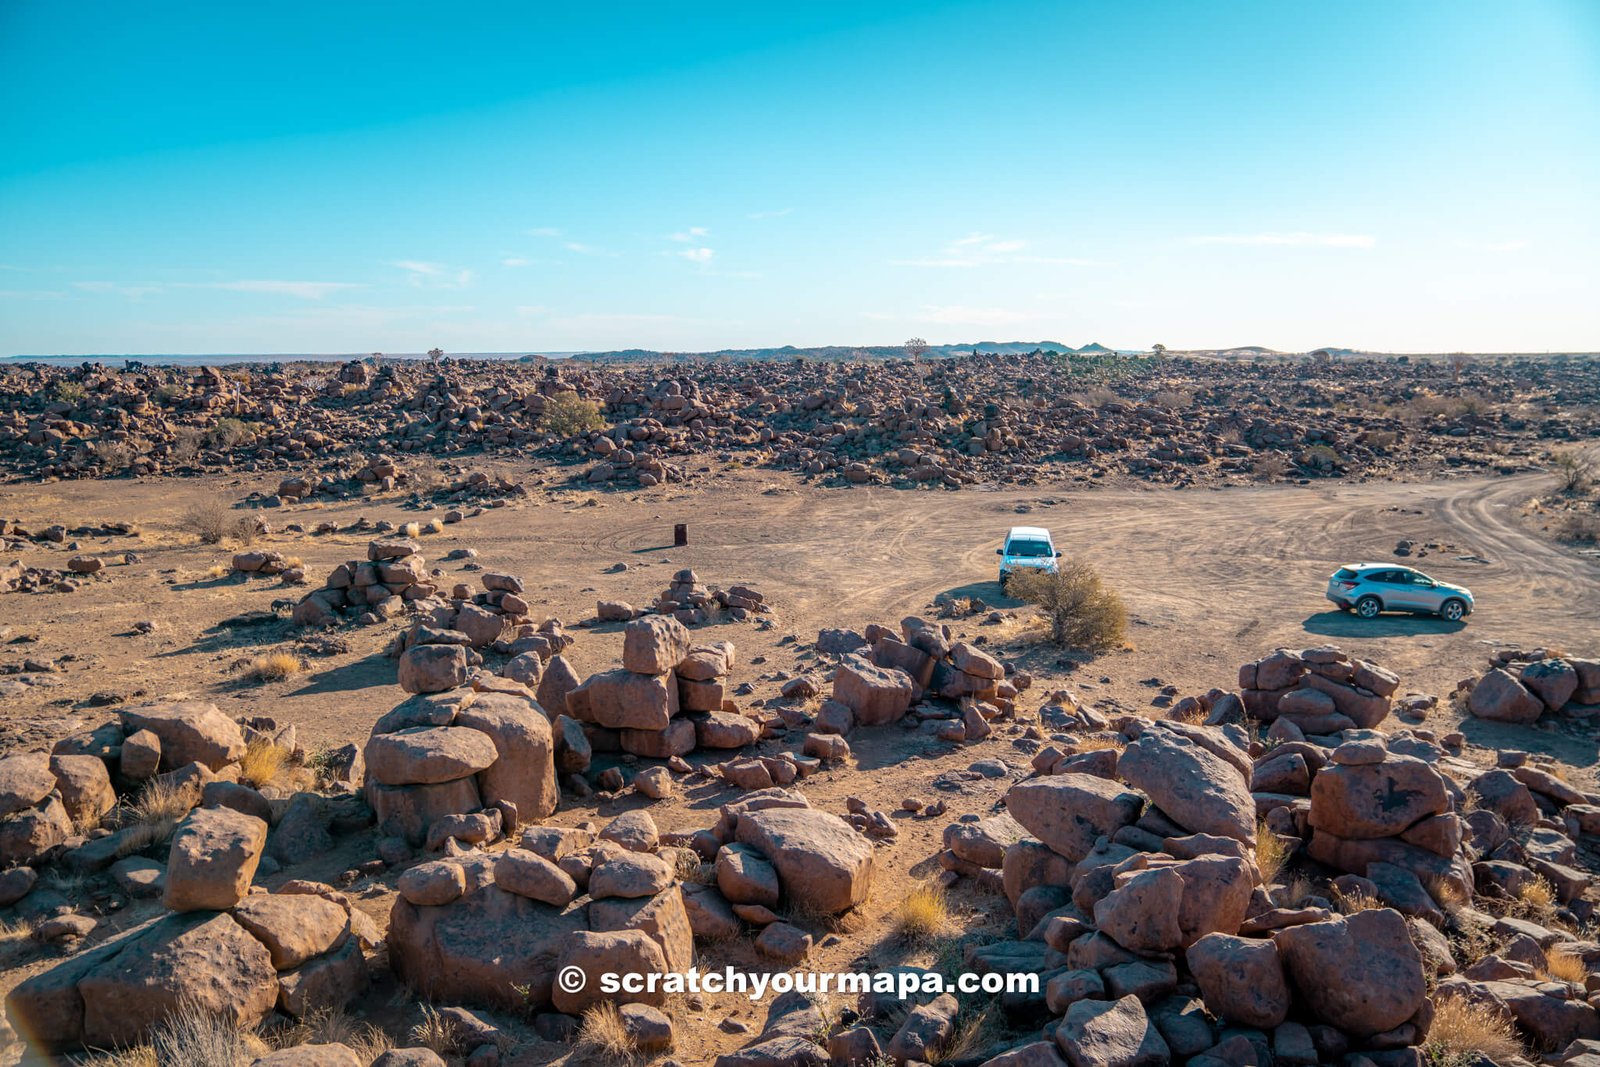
pixel 698 255
pixel 693 233
pixel 421 272
pixel 1295 239
pixel 133 292
pixel 303 290
pixel 515 261
pixel 986 250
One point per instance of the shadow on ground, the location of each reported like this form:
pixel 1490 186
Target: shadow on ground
pixel 1344 624
pixel 365 673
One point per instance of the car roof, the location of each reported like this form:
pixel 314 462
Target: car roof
pixel 1377 567
pixel 1030 531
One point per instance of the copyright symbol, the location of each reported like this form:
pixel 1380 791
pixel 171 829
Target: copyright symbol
pixel 572 979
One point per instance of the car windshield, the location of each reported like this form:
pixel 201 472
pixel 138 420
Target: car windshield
pixel 1029 549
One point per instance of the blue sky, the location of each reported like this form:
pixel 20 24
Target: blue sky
pixel 295 177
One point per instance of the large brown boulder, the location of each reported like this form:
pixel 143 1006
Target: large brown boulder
pixel 24 781
pixel 191 731
pixel 85 787
pixel 525 770
pixel 408 810
pixel 212 860
pixel 876 695
pixel 1553 681
pixel 820 860
pixel 482 949
pixel 1361 973
pixel 1099 1033
pixel 624 700
pixel 432 668
pixel 1194 787
pixel 1240 979
pixel 597 953
pixel 1501 698
pixel 294 927
pixel 1069 812
pixel 114 996
pixel 427 755
pixel 1376 799
pixel 654 644
pixel 664 917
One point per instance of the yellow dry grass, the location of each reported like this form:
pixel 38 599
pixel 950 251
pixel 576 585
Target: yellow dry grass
pixel 924 914
pixel 1271 854
pixel 602 1038
pixel 1538 897
pixel 436 1032
pixel 1097 742
pixel 262 761
pixel 334 1025
pixel 1462 1031
pixel 1350 903
pixel 1565 966
pixel 274 666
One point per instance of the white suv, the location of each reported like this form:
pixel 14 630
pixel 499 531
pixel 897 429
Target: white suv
pixel 1027 548
pixel 1370 588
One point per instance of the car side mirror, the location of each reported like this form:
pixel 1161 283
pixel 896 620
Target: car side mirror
pixel 999 551
pixel 1058 553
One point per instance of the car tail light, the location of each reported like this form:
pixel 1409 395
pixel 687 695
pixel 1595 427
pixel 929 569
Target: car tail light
pixel 1347 585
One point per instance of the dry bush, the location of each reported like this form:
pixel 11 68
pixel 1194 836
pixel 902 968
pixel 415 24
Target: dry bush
pixel 274 667
pixel 1172 399
pixel 1564 965
pixel 190 1037
pixel 1538 897
pixel 924 914
pixel 1269 465
pixel 228 433
pixel 114 456
pixel 1572 469
pixel 602 1038
pixel 1097 742
pixel 1100 396
pixel 152 816
pixel 1580 528
pixel 1083 612
pixel 437 1033
pixel 411 529
pixel 1463 1030
pixel 185 447
pixel 215 522
pixel 1449 894
pixel 1350 903
pixel 263 761
pixel 326 1026
pixel 971 1034
pixel 433 526
pixel 1271 853
pixel 19 929
pixel 566 414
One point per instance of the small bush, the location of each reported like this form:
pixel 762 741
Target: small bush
pixel 262 761
pixel 1172 399
pixel 1563 965
pixel 214 522
pixel 1580 528
pixel 1572 469
pixel 229 433
pixel 274 667
pixel 1463 1031
pixel 1538 896
pixel 70 392
pixel 185 445
pixel 924 914
pixel 1271 854
pixel 1269 465
pixel 1082 611
pixel 603 1038
pixel 566 414
pixel 437 1033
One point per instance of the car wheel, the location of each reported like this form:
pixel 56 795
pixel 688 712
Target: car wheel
pixel 1452 610
pixel 1368 607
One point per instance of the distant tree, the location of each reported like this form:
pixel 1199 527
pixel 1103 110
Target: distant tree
pixel 435 355
pixel 1159 350
pixel 916 348
pixel 1459 361
pixel 1573 470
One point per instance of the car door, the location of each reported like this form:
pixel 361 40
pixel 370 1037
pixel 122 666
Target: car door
pixel 1398 592
pixel 1425 592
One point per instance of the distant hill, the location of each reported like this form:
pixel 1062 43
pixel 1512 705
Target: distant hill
pixel 839 352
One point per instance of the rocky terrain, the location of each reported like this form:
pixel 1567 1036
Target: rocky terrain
pixel 341 744
pixel 1013 419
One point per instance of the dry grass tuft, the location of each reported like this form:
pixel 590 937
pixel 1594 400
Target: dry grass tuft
pixel 274 667
pixel 603 1040
pixel 437 1032
pixel 972 1034
pixel 262 761
pixel 1350 903
pixel 1096 742
pixel 411 529
pixel 434 526
pixel 1271 853
pixel 1537 897
pixel 1462 1031
pixel 191 1037
pixel 20 929
pixel 1563 965
pixel 152 816
pixel 1449 895
pixel 924 915
pixel 329 1025
pixel 216 570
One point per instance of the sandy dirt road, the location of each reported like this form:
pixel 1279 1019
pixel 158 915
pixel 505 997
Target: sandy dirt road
pixel 1211 577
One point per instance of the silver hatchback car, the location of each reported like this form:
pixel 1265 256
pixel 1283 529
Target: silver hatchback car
pixel 1370 588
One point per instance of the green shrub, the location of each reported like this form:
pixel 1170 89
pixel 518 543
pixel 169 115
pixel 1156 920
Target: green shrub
pixel 1082 610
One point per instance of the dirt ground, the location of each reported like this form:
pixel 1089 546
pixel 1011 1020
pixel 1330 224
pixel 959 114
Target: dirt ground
pixel 1212 578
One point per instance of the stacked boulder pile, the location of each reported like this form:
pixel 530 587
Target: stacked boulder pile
pixel 668 697
pixel 436 653
pixel 692 603
pixel 1316 691
pixel 1522 686
pixel 953 688
pixel 1189 894
pixel 393 577
pixel 469 763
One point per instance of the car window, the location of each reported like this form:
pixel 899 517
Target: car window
pixel 1345 574
pixel 1030 549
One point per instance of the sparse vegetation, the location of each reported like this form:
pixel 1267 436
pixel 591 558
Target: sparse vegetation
pixel 566 414
pixel 602 1038
pixel 262 761
pixel 229 433
pixel 436 1032
pixel 214 522
pixel 1464 1030
pixel 1271 853
pixel 274 666
pixel 1564 965
pixel 191 1037
pixel 923 914
pixel 1083 612
pixel 1573 470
